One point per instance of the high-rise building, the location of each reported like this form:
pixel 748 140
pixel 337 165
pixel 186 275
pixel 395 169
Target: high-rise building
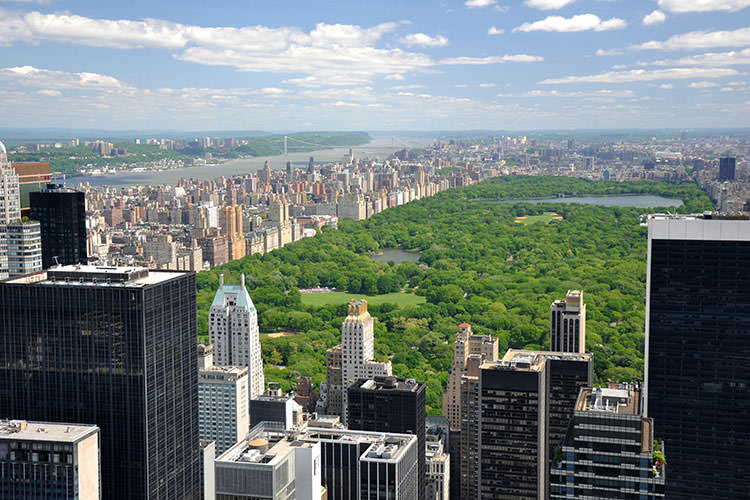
pixel 697 350
pixel 466 343
pixel 727 168
pixel 10 210
pixel 208 475
pixel 524 400
pixel 609 450
pixel 233 331
pixel 223 414
pixel 115 347
pixel 468 437
pixel 49 461
pixel 437 458
pixel 61 213
pixel 274 406
pixel 567 328
pixel 334 393
pixel 357 354
pixel 390 404
pixel 24 247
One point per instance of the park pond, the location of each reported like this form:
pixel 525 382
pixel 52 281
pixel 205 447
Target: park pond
pixel 618 200
pixel 397 255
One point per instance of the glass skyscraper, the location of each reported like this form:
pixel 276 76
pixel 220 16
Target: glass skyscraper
pixel 115 347
pixel 698 352
pixel 61 213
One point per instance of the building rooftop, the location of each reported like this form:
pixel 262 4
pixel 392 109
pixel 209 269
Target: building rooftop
pixel 389 384
pixel 707 226
pixel 44 431
pixel 622 399
pixel 238 290
pixel 78 274
pixel 518 359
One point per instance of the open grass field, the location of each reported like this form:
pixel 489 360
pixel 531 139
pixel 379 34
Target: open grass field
pixel 545 218
pixel 399 298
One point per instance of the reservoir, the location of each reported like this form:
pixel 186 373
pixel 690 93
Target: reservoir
pixel 618 200
pixel 397 255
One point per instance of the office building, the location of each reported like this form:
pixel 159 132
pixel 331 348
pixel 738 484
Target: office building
pixel 208 474
pixel 524 399
pixel 333 396
pixel 223 414
pixel 567 329
pixel 467 447
pixel 609 450
pixel 697 350
pixel 10 208
pixel 23 247
pixel 61 213
pixel 233 331
pixel 390 404
pixel 49 461
pixel 466 343
pixel 727 168
pixel 32 176
pixel 275 406
pixel 115 347
pixel 357 356
pixel 437 458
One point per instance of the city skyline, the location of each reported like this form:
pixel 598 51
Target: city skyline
pixel 475 64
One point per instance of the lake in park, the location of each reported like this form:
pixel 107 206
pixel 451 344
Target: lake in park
pixel 619 200
pixel 397 255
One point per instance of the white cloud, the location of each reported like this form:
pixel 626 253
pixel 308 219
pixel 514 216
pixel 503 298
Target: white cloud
pixel 495 31
pixel 548 4
pixel 702 85
pixel 486 85
pixel 655 17
pixel 461 85
pixel 700 40
pixel 49 93
pixel 29 76
pixel 642 75
pixel 407 87
pixel 703 5
pixel 609 52
pixel 476 61
pixel 478 4
pixel 581 22
pixel 274 91
pixel 666 86
pixel 395 76
pixel 588 93
pixel 424 40
pixel 731 58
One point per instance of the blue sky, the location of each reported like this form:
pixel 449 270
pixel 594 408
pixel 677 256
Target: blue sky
pixel 375 65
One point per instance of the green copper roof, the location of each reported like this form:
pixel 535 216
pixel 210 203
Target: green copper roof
pixel 243 297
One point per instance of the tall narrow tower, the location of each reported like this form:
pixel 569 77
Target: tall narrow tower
pixel 233 330
pixel 567 329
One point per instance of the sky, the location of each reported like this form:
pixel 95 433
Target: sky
pixel 293 65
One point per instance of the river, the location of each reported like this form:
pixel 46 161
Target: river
pixel 379 148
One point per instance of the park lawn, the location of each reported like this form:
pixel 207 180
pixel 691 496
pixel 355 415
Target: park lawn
pixel 545 218
pixel 398 298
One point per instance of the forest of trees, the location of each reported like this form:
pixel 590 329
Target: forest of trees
pixel 477 265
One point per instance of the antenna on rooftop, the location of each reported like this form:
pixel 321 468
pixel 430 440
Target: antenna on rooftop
pixel 57 262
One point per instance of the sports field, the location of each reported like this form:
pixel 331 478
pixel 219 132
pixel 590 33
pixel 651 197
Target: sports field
pixel 545 218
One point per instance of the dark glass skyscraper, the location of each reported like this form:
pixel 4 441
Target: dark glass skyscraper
pixel 727 168
pixel 113 347
pixel 390 404
pixel 61 213
pixel 698 352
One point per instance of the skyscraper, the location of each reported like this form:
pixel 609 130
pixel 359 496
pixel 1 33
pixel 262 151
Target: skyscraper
pixel 10 207
pixel 24 247
pixel 389 404
pixel 113 347
pixel 727 169
pixel 524 400
pixel 233 331
pixel 567 329
pixel 61 213
pixel 697 351
pixel 609 449
pixel 357 353
pixel 223 414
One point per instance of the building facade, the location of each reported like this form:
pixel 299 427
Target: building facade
pixel 697 349
pixel 389 404
pixel 49 461
pixel 223 414
pixel 524 398
pixel 567 330
pixel 113 347
pixel 24 248
pixel 61 213
pixel 233 331
pixel 609 450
